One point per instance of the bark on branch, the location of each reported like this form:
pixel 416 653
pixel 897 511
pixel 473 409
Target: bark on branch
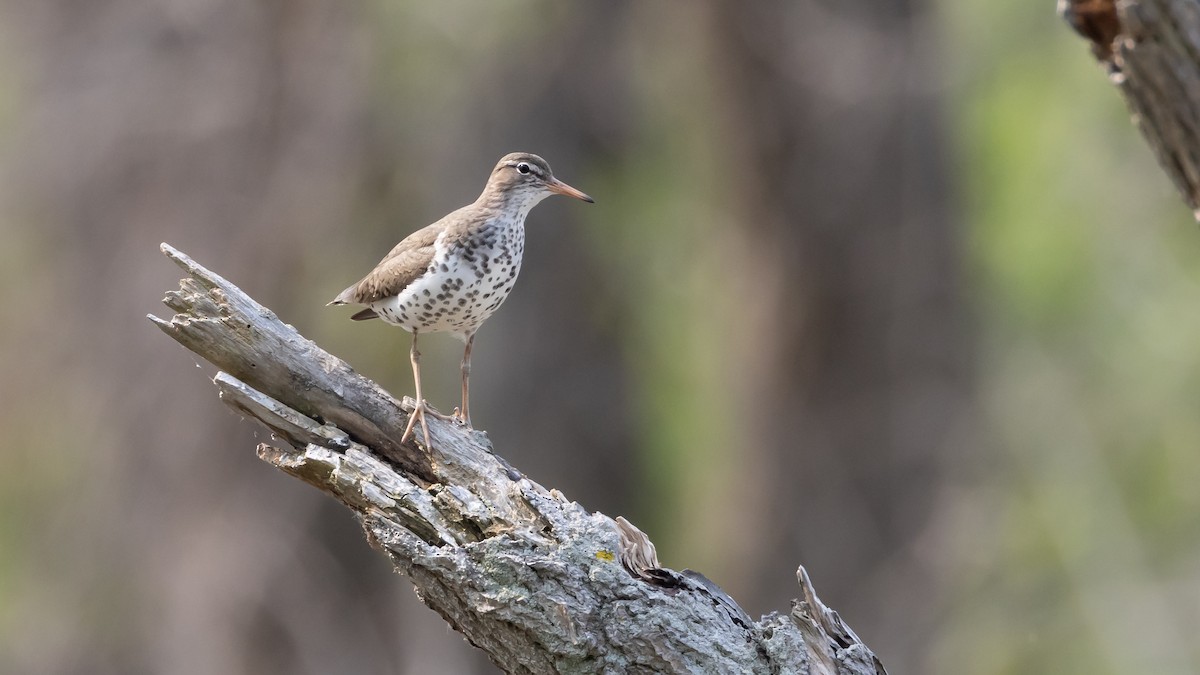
pixel 535 580
pixel 1152 51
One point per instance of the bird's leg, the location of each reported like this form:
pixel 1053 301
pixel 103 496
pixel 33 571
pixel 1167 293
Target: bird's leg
pixel 463 414
pixel 418 412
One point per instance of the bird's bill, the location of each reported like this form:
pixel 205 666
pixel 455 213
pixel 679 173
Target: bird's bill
pixel 560 188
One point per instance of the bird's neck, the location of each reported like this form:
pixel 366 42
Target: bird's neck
pixel 510 205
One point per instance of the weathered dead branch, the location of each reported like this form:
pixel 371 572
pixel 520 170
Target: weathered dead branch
pixel 535 580
pixel 1151 49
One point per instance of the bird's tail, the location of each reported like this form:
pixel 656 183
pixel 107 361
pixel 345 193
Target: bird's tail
pixel 344 298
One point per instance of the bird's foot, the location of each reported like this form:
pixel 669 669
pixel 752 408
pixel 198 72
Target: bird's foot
pixel 420 409
pixel 433 412
pixel 460 418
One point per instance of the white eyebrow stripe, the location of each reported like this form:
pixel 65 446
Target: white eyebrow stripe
pixel 533 168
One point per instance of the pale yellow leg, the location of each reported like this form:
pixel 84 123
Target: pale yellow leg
pixel 463 414
pixel 418 412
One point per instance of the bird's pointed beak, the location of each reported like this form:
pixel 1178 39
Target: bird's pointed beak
pixel 560 188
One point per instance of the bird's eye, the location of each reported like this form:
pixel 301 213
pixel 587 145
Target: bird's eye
pixel 523 167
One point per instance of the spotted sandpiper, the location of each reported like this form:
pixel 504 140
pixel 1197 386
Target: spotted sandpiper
pixel 449 277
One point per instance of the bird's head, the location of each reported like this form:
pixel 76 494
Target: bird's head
pixel 528 178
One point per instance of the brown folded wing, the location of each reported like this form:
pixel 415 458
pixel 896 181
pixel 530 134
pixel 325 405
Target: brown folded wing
pixel 399 268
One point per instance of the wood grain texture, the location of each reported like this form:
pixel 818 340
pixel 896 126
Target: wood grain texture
pixel 535 580
pixel 1151 49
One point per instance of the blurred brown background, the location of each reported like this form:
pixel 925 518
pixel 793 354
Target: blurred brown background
pixel 885 287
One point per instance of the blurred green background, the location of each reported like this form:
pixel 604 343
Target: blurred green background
pixel 889 288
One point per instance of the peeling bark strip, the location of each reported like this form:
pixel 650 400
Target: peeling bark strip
pixel 1152 51
pixel 533 579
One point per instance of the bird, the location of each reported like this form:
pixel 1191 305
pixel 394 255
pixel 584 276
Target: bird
pixel 451 276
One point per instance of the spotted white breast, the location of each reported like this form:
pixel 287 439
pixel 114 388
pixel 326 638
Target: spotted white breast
pixel 465 284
